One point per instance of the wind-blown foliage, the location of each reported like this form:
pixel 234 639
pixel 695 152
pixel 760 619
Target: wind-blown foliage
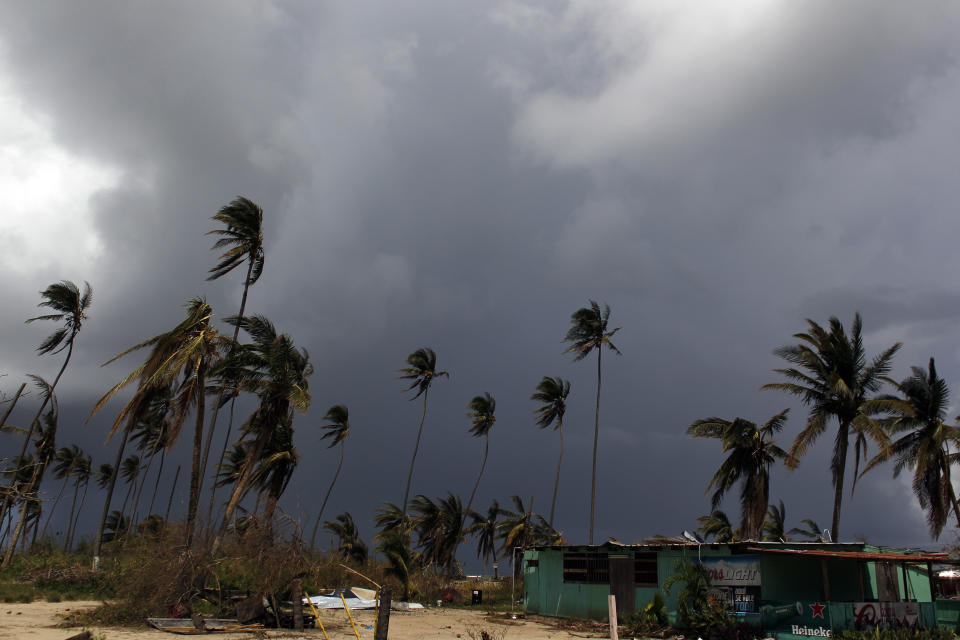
pixel 337 429
pixel 830 374
pixel 717 527
pixel 350 546
pixel 751 452
pixel 925 443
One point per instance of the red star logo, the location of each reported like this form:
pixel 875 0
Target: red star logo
pixel 817 609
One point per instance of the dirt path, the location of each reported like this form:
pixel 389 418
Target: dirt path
pixel 38 620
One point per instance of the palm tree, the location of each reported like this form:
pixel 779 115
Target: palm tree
pixel 277 372
pixel 439 527
pixel 752 452
pixel 482 420
pixel 811 530
pixel 66 460
pixel 830 374
pixel 69 305
pixel 338 417
pixel 421 371
pixel 243 239
pixel 393 544
pixel 588 332
pixel 274 471
pixel 717 526
pixel 185 354
pixel 484 527
pixel 129 471
pixel 924 446
pixel 775 526
pixel 350 546
pixel 81 474
pixel 552 392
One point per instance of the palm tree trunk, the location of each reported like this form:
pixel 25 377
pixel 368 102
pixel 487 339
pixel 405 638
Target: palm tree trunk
pixel 73 506
pixel 176 477
pixel 950 492
pixel 596 437
pixel 35 422
pixel 239 489
pixel 32 486
pixel 143 481
pixel 156 485
pixel 556 482
pixel 486 449
pixel 196 479
pixel 73 532
pixel 838 467
pixel 216 408
pixel 98 545
pixel 323 505
pixel 126 498
pixel 66 478
pixel 416 448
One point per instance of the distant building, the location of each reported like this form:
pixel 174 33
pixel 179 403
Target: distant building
pixel 789 589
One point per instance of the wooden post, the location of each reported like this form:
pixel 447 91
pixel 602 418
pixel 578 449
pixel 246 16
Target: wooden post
pixel 903 568
pixel 612 613
pixel 296 589
pixel 933 588
pixel 383 615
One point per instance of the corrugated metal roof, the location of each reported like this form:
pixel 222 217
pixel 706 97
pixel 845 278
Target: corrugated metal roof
pixel 943 558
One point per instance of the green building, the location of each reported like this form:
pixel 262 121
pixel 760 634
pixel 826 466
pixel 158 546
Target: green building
pixel 790 590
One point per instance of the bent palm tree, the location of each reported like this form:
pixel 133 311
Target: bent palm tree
pixel 338 417
pixel 587 333
pixel 276 371
pixel 70 306
pixel 421 371
pixel 182 356
pixel 775 526
pixel 243 239
pixel 924 446
pixel 717 526
pixel 552 392
pixel 485 528
pixel 830 374
pixel 81 474
pixel 350 546
pixel 752 452
pixel 481 416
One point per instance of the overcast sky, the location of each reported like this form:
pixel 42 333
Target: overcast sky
pixel 464 176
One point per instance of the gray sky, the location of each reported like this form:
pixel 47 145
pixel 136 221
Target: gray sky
pixel 464 176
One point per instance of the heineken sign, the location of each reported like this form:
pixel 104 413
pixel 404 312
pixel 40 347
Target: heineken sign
pixel 799 620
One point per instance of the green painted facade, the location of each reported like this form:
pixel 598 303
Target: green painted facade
pixel 790 595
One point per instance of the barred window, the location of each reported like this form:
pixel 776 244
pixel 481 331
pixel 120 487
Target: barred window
pixel 587 568
pixel 645 570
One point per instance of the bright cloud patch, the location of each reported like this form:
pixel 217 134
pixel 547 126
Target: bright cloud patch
pixel 47 220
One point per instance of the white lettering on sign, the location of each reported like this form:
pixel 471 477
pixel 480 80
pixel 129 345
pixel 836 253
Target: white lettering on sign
pixel 813 632
pixel 733 571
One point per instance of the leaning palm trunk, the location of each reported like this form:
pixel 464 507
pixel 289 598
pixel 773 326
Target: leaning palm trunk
pixel 156 485
pixel 134 510
pixel 63 487
pixel 556 482
pixel 31 489
pixel 216 407
pixel 110 487
pixel 596 437
pixel 196 479
pixel 476 485
pixel 323 505
pixel 75 519
pixel 239 489
pixel 416 448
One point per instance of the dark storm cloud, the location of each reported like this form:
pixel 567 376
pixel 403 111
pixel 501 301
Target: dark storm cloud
pixel 465 178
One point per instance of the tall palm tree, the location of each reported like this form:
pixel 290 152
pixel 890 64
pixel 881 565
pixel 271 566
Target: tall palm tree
pixel 588 332
pixel 552 392
pixel 242 238
pixel 277 372
pixel 421 371
pixel 482 420
pixel 924 445
pixel 338 419
pixel 182 356
pixel 69 306
pixel 830 374
pixel 752 451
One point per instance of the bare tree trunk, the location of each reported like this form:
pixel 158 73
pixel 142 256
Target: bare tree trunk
pixel 156 485
pixel 73 532
pixel 416 448
pixel 98 543
pixel 73 506
pixel 166 515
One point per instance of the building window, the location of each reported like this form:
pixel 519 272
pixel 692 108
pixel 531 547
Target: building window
pixel 645 570
pixel 586 568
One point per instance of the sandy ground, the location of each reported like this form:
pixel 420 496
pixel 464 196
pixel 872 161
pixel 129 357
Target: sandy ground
pixel 39 620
